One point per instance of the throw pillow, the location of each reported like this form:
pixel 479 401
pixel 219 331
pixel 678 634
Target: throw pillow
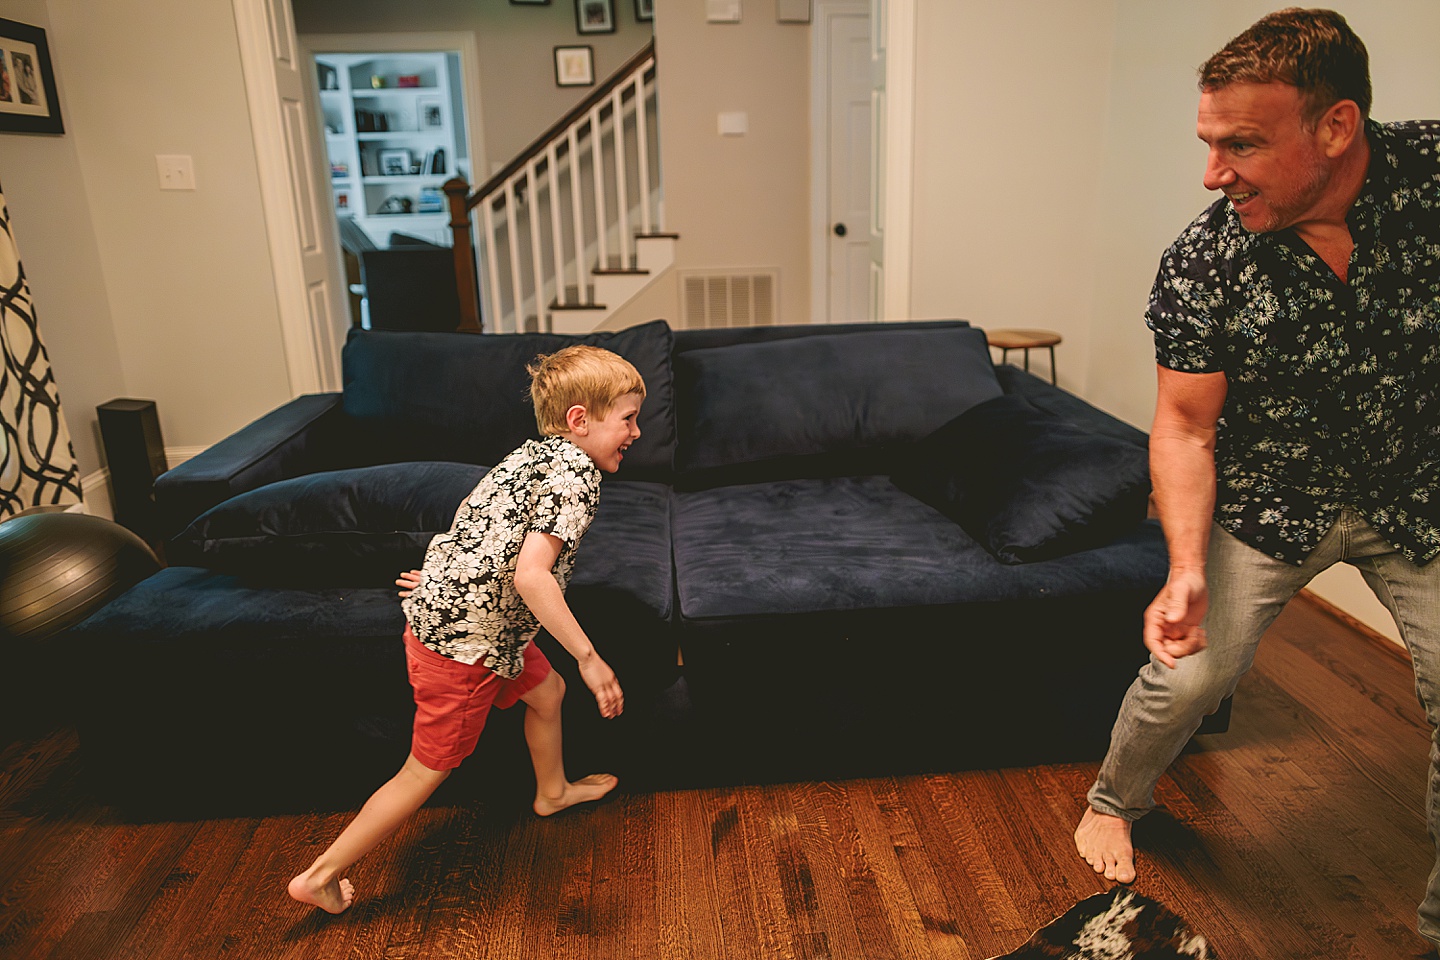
pixel 828 393
pixel 1026 484
pixel 465 397
pixel 356 526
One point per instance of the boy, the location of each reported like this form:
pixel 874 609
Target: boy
pixel 485 589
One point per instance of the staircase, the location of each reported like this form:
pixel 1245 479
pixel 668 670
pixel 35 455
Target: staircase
pixel 572 228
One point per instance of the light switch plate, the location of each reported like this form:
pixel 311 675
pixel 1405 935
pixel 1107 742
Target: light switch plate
pixel 722 11
pixel 734 123
pixel 177 171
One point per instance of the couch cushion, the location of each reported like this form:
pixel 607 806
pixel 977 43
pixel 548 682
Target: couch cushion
pixel 1026 484
pixel 464 397
pixel 364 525
pixel 856 543
pixel 781 408
pixel 359 526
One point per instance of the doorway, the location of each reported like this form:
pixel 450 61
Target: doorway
pixel 841 158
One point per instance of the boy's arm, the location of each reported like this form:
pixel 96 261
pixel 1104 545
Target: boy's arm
pixel 542 594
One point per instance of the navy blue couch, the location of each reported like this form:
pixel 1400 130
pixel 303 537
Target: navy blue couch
pixel 834 550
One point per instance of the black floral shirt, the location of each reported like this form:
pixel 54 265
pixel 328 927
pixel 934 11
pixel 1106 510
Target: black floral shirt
pixel 1332 386
pixel 466 606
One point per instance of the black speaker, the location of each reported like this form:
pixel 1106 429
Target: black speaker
pixel 136 454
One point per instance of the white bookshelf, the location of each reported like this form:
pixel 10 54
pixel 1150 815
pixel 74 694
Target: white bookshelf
pixel 392 139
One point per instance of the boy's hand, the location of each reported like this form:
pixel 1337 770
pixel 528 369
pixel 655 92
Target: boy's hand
pixel 407 582
pixel 601 680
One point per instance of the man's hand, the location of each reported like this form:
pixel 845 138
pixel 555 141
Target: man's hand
pixel 407 582
pixel 601 680
pixel 1172 621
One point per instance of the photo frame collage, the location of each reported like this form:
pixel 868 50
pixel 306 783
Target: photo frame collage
pixel 575 64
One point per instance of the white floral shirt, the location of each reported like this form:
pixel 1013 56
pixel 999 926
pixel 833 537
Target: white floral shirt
pixel 466 606
pixel 1333 387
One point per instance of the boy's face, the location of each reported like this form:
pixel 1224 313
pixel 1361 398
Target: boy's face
pixel 607 438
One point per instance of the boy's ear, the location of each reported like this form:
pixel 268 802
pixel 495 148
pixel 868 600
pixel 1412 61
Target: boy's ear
pixel 576 420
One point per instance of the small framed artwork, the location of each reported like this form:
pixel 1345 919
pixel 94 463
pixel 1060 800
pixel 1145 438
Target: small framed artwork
pixel 595 16
pixel 429 114
pixel 574 66
pixel 644 10
pixel 28 101
pixel 530 3
pixel 395 163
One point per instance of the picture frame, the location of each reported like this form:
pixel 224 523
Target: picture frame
pixel 395 162
pixel 530 3
pixel 29 102
pixel 644 11
pixel 575 66
pixel 595 16
pixel 429 113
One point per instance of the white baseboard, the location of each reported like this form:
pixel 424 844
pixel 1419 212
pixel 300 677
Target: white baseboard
pixel 95 488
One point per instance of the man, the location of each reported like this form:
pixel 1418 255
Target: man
pixel 1297 422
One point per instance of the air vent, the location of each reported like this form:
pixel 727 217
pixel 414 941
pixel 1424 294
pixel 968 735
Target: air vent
pixel 746 298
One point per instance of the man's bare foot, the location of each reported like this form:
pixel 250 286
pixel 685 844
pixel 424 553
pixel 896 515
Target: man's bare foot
pixel 1104 841
pixel 583 790
pixel 333 897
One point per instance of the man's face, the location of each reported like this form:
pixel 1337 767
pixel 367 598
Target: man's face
pixel 1272 168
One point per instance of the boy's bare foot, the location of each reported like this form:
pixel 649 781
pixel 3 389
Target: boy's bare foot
pixel 1104 841
pixel 583 790
pixel 333 897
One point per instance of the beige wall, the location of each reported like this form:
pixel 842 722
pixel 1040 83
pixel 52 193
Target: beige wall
pixel 735 201
pixel 51 220
pixel 516 47
pixel 164 296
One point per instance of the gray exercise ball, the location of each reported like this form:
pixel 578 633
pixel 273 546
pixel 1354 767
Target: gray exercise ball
pixel 58 568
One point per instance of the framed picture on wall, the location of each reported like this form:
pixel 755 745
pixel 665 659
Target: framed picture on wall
pixel 595 16
pixel 529 3
pixel 644 10
pixel 28 101
pixel 574 66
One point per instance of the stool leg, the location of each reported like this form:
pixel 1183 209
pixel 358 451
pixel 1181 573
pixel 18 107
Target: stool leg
pixel 1027 359
pixel 1053 380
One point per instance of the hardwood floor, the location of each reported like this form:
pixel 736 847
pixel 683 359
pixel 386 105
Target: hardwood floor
pixel 1298 834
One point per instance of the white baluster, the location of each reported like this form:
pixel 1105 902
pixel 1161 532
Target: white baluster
pixel 512 234
pixel 622 201
pixel 556 237
pixel 597 169
pixel 577 222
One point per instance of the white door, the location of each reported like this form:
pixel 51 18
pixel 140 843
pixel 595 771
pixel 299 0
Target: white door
pixel 844 190
pixel 303 245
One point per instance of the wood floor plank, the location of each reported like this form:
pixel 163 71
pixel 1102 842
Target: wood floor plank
pixel 1297 834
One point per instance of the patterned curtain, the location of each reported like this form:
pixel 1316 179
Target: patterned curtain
pixel 37 462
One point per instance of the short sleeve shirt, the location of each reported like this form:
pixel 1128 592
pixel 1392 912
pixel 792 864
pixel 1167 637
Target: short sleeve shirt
pixel 466 606
pixel 1331 386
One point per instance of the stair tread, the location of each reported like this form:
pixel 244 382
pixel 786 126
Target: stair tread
pixel 623 271
pixel 556 305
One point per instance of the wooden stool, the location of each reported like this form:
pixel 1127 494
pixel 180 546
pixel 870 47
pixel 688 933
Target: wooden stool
pixel 1007 340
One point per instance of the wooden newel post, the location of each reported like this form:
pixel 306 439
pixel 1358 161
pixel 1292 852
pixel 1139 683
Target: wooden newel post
pixel 459 192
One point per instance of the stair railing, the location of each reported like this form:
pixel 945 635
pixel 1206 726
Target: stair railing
pixel 543 220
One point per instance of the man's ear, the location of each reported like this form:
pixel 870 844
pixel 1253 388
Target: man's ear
pixel 1338 127
pixel 576 420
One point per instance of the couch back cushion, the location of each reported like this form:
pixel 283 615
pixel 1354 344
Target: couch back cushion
pixel 823 405
pixel 465 397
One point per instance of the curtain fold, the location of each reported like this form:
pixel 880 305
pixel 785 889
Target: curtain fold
pixel 37 460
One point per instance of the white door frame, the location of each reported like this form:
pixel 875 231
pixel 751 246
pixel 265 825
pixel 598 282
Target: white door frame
pixel 263 27
pixel 820 146
pixel 896 25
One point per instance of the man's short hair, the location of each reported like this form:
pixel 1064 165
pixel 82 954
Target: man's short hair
pixel 1314 51
pixel 589 376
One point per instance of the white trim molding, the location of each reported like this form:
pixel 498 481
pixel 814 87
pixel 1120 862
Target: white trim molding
pixel 899 147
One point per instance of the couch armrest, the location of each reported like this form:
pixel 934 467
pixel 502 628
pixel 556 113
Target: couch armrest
pixel 297 438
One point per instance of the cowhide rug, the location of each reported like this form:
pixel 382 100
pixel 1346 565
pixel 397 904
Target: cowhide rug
pixel 1119 925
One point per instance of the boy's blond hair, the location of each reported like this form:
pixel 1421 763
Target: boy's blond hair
pixel 592 377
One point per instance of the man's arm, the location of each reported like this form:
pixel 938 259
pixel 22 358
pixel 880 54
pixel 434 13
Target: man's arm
pixel 542 594
pixel 1182 473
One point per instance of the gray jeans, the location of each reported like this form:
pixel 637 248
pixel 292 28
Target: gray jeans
pixel 1248 590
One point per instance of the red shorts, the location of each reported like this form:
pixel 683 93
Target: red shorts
pixel 452 700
